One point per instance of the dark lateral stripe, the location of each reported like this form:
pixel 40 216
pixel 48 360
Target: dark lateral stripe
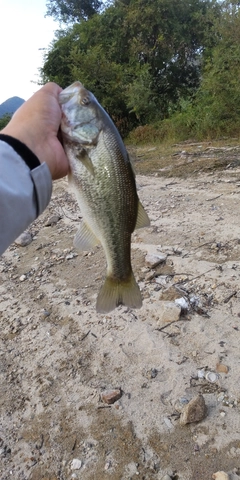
pixel 25 153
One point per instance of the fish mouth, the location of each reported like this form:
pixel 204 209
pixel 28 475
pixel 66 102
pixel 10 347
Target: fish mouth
pixel 70 92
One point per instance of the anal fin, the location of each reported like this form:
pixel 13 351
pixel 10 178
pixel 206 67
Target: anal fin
pixel 142 217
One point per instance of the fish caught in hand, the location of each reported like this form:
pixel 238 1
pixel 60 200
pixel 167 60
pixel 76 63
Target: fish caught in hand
pixel 104 184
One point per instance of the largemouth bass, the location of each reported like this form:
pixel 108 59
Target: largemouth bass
pixel 104 184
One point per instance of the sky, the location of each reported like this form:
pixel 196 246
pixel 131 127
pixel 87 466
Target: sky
pixel 23 31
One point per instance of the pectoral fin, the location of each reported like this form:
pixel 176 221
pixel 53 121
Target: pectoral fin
pixel 85 238
pixel 86 161
pixel 142 217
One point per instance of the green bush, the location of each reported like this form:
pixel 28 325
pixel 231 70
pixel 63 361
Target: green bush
pixel 4 120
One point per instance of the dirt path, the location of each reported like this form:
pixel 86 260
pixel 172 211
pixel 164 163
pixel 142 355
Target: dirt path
pixel 57 355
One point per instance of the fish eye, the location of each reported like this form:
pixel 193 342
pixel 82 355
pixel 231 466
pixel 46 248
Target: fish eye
pixel 85 100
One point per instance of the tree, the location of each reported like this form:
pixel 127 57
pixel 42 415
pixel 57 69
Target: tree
pixel 171 37
pixel 57 63
pixel 217 103
pixel 4 120
pixel 69 11
pixel 141 58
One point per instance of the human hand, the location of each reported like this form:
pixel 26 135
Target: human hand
pixel 36 123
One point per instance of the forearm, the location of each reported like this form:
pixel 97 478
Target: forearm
pixel 24 194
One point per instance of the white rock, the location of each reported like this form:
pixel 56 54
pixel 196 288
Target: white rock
pixel 153 260
pixel 76 464
pixel 22 278
pixel 201 373
pixel 220 476
pixel 69 256
pixel 168 423
pixel 107 465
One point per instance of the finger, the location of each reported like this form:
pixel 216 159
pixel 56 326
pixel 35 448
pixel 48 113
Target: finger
pixel 51 87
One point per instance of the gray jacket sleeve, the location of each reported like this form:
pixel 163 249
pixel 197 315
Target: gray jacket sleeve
pixel 24 194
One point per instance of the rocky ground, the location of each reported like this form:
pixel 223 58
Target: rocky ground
pixel 62 363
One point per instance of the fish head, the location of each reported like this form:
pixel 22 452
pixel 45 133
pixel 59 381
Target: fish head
pixel 80 122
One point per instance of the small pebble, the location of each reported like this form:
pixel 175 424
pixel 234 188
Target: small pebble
pixel 52 220
pixel 57 399
pixel 107 465
pixel 221 368
pixel 151 373
pixel 111 396
pixel 69 256
pixel 23 278
pixel 220 476
pixel 150 275
pixel 221 396
pixel 168 423
pixel 76 464
pixel 153 260
pixel 24 239
pixel 154 373
pixel 194 411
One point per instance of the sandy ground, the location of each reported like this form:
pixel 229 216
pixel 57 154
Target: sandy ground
pixel 57 355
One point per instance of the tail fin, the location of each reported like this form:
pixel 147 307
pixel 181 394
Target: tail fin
pixel 114 293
